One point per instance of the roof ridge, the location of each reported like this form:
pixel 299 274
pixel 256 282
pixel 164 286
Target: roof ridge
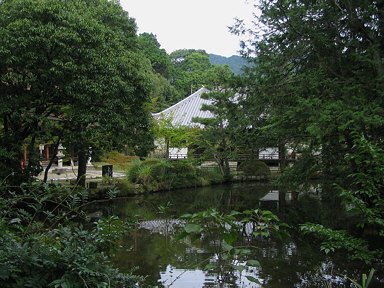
pixel 194 94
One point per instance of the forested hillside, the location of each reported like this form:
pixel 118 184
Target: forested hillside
pixel 235 63
pixel 179 74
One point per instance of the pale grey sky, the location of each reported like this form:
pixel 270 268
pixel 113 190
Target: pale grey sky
pixel 191 24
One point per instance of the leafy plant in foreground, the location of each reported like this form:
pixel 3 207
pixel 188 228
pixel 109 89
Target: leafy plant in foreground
pixel 229 228
pixel 365 280
pixel 340 239
pixel 42 246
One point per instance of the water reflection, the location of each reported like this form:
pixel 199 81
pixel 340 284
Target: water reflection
pixel 292 262
pixel 276 200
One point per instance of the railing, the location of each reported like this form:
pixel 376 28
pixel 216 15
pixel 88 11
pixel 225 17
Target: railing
pixel 263 156
pixel 274 156
pixel 178 156
pixel 241 157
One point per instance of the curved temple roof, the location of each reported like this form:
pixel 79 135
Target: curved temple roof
pixel 188 108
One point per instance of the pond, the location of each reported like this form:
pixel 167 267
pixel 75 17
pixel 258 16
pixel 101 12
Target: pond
pixel 293 261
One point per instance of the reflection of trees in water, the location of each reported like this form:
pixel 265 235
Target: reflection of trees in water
pixel 225 198
pixel 294 262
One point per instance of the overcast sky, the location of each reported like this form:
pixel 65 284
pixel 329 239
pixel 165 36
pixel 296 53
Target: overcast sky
pixel 191 24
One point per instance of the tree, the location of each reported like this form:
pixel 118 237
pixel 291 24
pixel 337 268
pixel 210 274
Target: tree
pixel 160 61
pixel 216 136
pixel 163 94
pixel 174 134
pixel 177 57
pixel 77 62
pixel 190 65
pixel 318 75
pixel 195 62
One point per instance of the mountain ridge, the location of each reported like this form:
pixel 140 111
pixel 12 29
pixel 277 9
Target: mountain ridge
pixel 235 62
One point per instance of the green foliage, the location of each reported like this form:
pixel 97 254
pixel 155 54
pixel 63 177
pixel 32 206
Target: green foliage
pixel 189 74
pixel 255 167
pixel 317 86
pixel 148 173
pixel 40 246
pixel 160 61
pixel 110 231
pixel 363 198
pixel 298 94
pixel 357 248
pixel 302 172
pixel 125 187
pixel 178 56
pixel 185 174
pixel 70 70
pixel 132 172
pixel 229 229
pixel 214 222
pixel 213 174
pixel 365 280
pixel 264 223
pixel 174 134
pixel 193 69
pixel 163 94
pixel 235 63
pixel 216 139
pixel 156 174
pixel 364 195
pixel 61 258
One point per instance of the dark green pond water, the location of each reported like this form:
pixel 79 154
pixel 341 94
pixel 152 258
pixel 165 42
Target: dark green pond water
pixel 295 261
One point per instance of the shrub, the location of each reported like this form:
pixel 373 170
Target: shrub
pixel 133 172
pixel 212 175
pixel 125 187
pixel 184 173
pixel 155 174
pixel 255 167
pixel 41 246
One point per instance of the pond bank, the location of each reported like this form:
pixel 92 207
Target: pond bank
pixel 98 185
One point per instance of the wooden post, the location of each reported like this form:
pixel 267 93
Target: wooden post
pixel 25 155
pixel 47 152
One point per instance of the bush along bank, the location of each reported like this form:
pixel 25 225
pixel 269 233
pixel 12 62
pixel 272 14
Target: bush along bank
pixel 153 175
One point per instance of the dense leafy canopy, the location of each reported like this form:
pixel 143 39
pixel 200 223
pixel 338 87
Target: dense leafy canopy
pixel 163 94
pixel 317 86
pixel 181 73
pixel 71 70
pixel 318 75
pixel 159 58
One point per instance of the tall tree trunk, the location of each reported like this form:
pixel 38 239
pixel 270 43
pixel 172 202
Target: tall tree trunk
pixel 227 172
pixel 82 167
pixel 33 167
pixel 55 149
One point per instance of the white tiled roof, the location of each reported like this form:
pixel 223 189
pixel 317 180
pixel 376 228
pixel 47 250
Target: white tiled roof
pixel 188 108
